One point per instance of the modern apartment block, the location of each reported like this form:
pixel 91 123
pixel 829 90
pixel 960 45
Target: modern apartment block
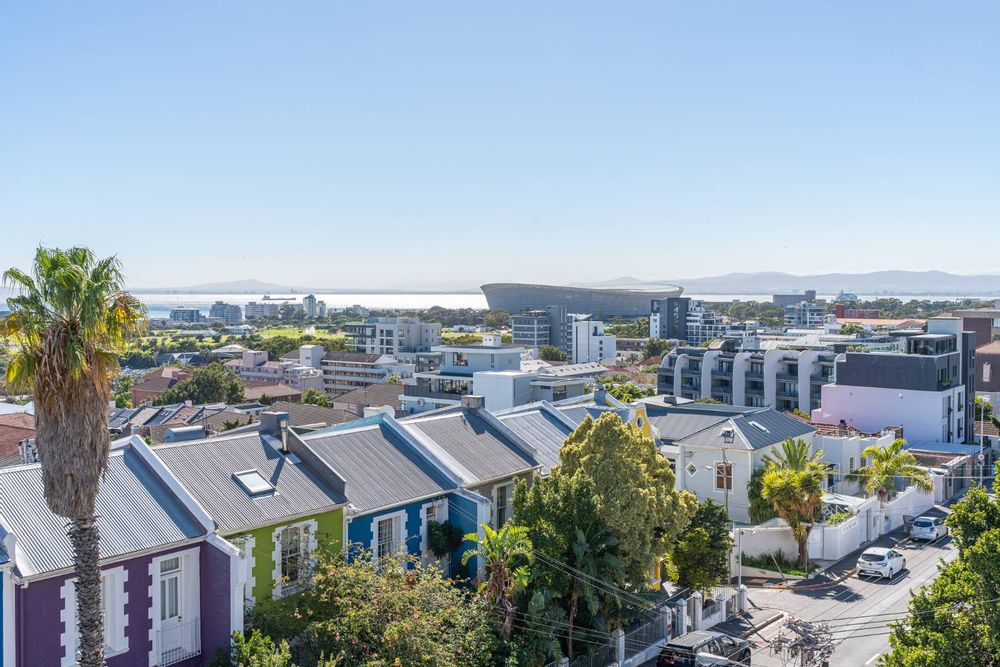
pixel 668 318
pixel 590 343
pixel 346 371
pixel 536 328
pixel 186 315
pixel 785 300
pixel 928 390
pixel 256 310
pixel 704 325
pixel 253 366
pixel 392 335
pixel 743 372
pixel 309 306
pixel 228 313
pixel 804 315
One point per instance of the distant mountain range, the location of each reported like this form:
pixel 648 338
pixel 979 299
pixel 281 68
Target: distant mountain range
pixel 251 286
pixel 876 282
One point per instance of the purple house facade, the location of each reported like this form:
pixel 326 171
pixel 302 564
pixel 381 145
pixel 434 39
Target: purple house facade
pixel 172 588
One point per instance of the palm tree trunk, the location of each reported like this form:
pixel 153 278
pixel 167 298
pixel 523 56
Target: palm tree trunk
pixel 572 614
pixel 83 535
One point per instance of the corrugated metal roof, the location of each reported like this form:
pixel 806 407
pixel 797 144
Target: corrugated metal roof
pixel 206 467
pixel 380 467
pixel 674 426
pixel 575 413
pixel 543 431
pixel 135 512
pixel 752 430
pixel 476 445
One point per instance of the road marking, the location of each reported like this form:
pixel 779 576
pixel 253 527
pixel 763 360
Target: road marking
pixel 872 659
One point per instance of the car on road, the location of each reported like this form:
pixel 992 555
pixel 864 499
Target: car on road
pixel 880 562
pixel 697 648
pixel 928 528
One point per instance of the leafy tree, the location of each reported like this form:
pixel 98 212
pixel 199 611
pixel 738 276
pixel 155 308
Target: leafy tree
pixel 396 614
pixel 638 328
pixel 70 321
pixel 629 392
pixel 208 384
pixel 393 378
pixel 123 392
pixel 851 329
pixel 792 484
pixel 887 465
pixel 496 319
pixel 316 397
pixel 973 516
pixel 277 346
pixel 635 487
pixel 701 555
pixel 759 509
pixel 257 650
pixel 656 347
pixel 507 554
pixel 551 353
pixel 563 521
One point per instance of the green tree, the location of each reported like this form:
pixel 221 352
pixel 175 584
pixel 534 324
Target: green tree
pixel 976 514
pixel 496 319
pixel 635 488
pixel 257 650
pixel 393 378
pixel 71 320
pixel 316 397
pixel 209 384
pixel 851 329
pixel 701 555
pixel 123 391
pixel 792 484
pixel 551 353
pixel 507 554
pixel 759 509
pixel 395 614
pixel 888 465
pixel 575 549
pixel 656 347
pixel 629 391
pixel 638 328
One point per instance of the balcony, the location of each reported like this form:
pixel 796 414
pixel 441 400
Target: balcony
pixel 178 642
pixel 424 391
pixel 754 374
pixel 819 378
pixel 691 372
pixel 782 375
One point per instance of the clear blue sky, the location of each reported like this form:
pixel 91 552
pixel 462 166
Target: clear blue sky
pixel 383 144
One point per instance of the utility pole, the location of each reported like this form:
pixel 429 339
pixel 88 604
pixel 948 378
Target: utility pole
pixel 803 644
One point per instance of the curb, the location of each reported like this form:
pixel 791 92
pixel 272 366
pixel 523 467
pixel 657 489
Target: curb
pixel 807 587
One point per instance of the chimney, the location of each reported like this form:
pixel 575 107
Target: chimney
pixel 472 402
pixel 492 340
pixel 275 424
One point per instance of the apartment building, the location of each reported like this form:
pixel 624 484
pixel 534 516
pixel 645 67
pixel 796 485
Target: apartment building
pixel 784 375
pixel 309 305
pixel 785 300
pixel 342 372
pixel 928 389
pixel 392 335
pixel 590 343
pixel 552 326
pixel 703 325
pixel 668 318
pixel 804 315
pixel 186 315
pixel 253 366
pixel 228 313
pixel 256 310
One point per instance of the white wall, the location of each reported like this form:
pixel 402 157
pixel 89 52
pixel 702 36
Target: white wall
pixel 922 414
pixel 702 481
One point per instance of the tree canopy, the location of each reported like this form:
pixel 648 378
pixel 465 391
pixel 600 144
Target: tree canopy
pixel 551 353
pixel 701 555
pixel 208 384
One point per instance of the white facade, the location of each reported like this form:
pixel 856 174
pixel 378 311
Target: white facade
pixel 703 325
pixel 309 305
pixel 254 310
pixel 924 415
pixel 804 314
pixel 590 343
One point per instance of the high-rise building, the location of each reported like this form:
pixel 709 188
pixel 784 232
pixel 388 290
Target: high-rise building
pixel 186 315
pixel 256 310
pixel 229 313
pixel 552 326
pixel 804 315
pixel 668 318
pixel 309 305
pixel 392 335
pixel 783 300
pixel 590 343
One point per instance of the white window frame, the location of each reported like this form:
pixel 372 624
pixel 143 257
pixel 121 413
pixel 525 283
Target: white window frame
pixel 508 506
pixel 440 507
pixel 308 551
pixel 400 534
pixel 114 596
pixel 190 590
pixel 715 476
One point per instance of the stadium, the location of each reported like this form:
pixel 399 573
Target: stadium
pixel 602 303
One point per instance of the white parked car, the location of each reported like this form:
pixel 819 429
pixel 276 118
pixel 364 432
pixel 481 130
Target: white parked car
pixel 928 528
pixel 880 562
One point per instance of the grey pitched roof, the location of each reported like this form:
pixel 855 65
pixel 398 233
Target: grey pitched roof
pixel 380 467
pixel 300 414
pixel 135 512
pixel 754 428
pixel 375 395
pixel 541 429
pixel 206 469
pixel 674 426
pixel 475 444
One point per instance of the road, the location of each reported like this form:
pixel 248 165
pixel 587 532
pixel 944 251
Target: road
pixel 857 610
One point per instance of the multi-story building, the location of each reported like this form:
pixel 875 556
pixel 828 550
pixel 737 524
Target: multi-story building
pixel 345 371
pixel 846 310
pixel 785 300
pixel 256 310
pixel 590 343
pixel 228 313
pixel 186 315
pixel 784 376
pixel 321 309
pixel 309 305
pixel 552 326
pixel 928 390
pixel 988 373
pixel 804 315
pixel 668 318
pixel 703 325
pixel 392 335
pixel 253 366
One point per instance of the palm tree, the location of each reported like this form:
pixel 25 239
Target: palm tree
pixel 501 550
pixel 878 478
pixel 593 560
pixel 792 485
pixel 70 320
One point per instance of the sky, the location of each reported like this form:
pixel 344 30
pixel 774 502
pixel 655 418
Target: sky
pixel 356 144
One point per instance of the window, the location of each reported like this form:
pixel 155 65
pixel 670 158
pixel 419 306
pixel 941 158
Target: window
pixel 502 496
pixel 170 589
pixel 294 552
pixel 387 536
pixel 253 482
pixel 112 613
pixel 723 476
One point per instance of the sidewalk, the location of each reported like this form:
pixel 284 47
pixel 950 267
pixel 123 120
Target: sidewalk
pixel 749 622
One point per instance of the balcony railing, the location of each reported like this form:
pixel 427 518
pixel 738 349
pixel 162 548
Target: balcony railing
pixel 178 642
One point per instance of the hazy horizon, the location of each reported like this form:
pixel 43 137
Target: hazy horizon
pixel 378 146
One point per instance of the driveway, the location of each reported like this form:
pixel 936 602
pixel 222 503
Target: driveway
pixel 857 610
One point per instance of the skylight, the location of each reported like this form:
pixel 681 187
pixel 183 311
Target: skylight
pixel 759 426
pixel 253 482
